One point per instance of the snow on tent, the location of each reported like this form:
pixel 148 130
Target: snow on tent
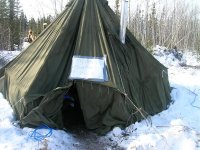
pixel 78 69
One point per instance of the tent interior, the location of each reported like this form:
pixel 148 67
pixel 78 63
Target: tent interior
pixel 72 115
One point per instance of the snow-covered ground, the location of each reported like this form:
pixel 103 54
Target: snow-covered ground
pixel 177 128
pixel 6 56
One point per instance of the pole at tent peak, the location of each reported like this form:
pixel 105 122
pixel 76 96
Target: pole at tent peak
pixel 124 19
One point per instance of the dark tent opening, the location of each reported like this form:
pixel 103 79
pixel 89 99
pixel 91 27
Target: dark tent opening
pixel 72 115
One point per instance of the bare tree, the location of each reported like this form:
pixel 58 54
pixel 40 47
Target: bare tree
pixel 167 25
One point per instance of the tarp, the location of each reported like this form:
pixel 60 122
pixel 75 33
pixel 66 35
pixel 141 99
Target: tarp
pixel 36 81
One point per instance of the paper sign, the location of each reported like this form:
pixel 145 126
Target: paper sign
pixel 89 68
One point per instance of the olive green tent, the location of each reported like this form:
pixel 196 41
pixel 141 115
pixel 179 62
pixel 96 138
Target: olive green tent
pixel 41 84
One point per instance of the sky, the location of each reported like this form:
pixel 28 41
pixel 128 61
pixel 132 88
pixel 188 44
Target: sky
pixel 40 8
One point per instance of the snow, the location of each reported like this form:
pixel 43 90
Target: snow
pixel 7 56
pixel 177 128
pixel 175 58
pixel 25 45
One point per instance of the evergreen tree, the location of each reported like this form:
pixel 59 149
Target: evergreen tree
pixel 38 26
pixel 23 27
pixel 14 23
pixel 4 30
pixel 117 7
pixel 153 27
pixel 11 22
pixel 3 11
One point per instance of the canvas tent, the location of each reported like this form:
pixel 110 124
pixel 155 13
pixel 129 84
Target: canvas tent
pixel 40 84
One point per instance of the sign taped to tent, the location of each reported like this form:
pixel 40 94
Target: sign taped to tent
pixel 89 68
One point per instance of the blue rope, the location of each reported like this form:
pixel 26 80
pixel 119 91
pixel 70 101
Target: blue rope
pixel 35 134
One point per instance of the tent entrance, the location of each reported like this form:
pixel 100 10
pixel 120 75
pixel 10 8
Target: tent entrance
pixel 72 114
